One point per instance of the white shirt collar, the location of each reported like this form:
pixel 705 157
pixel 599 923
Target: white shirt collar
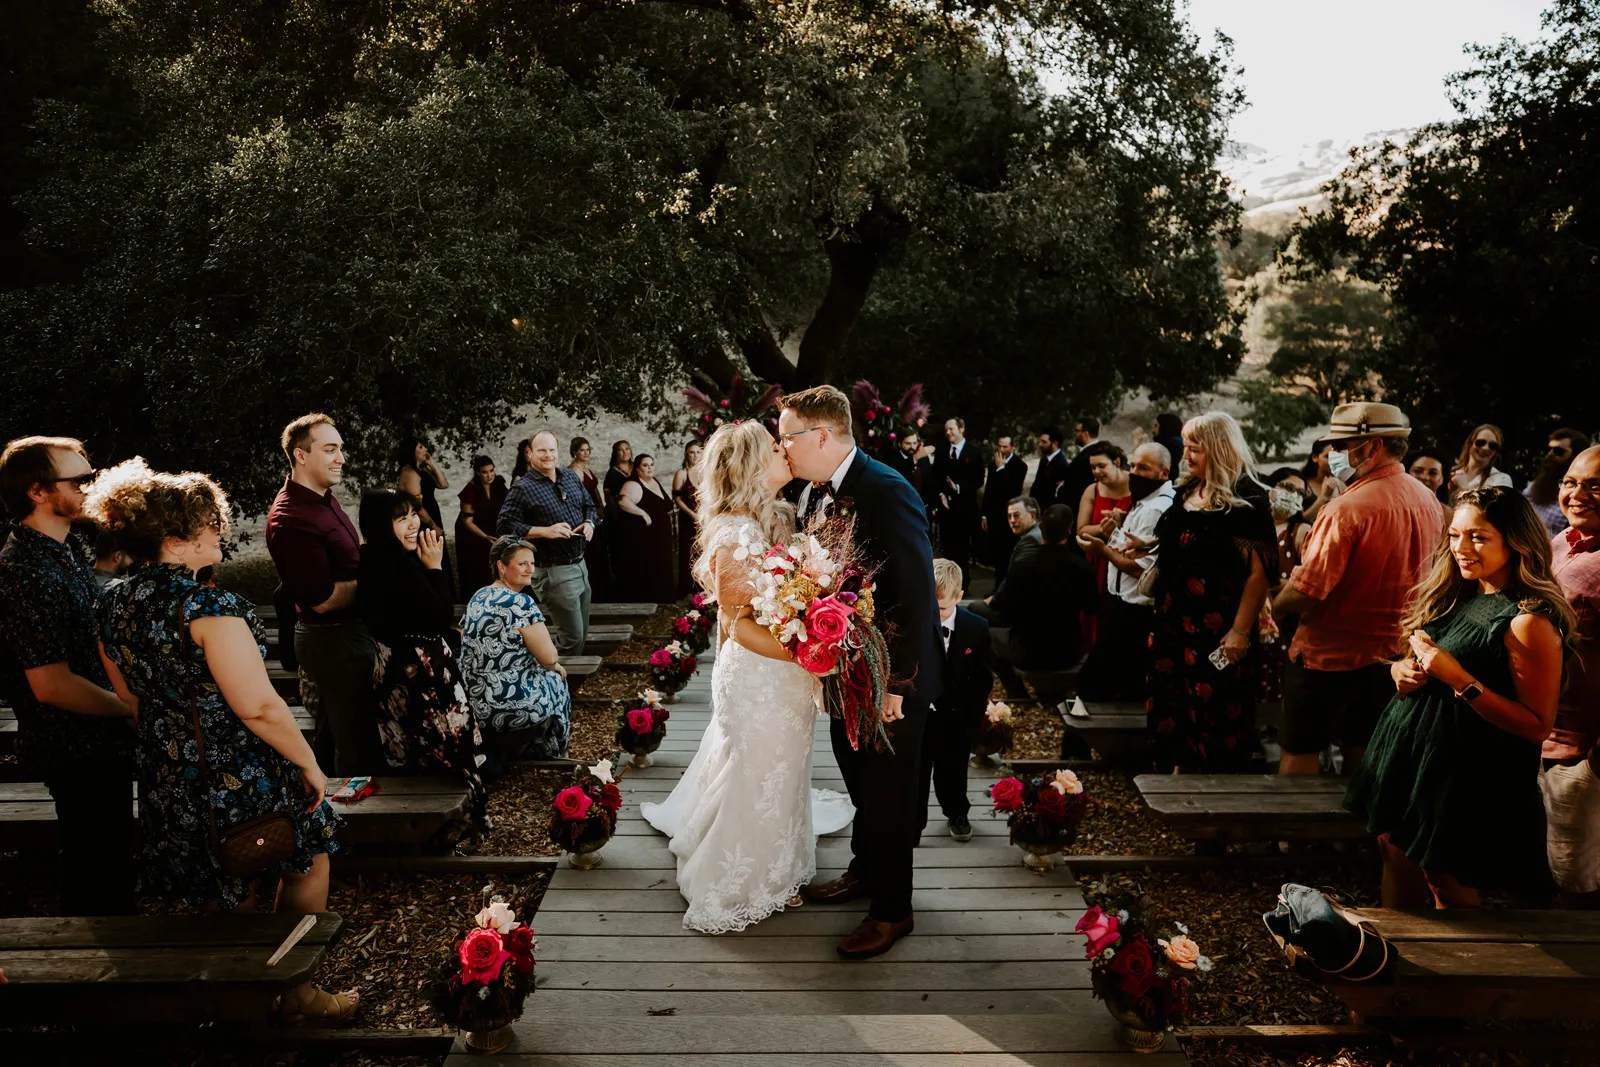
pixel 844 468
pixel 949 621
pixel 1164 491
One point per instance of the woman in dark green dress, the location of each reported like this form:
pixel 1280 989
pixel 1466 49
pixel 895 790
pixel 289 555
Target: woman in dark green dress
pixel 1450 783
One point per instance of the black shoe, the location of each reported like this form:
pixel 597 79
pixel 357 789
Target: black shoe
pixel 960 829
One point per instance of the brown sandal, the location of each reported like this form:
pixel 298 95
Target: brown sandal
pixel 324 1009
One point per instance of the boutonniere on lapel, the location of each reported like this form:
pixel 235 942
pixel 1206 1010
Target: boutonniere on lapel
pixel 844 507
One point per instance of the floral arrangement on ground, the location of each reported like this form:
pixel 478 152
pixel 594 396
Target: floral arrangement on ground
pixel 995 732
pixel 671 667
pixel 584 814
pixel 694 627
pixel 1042 812
pixel 641 723
pixel 1141 969
pixel 483 984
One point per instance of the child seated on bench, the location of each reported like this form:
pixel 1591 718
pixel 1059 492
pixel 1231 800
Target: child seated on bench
pixel 954 717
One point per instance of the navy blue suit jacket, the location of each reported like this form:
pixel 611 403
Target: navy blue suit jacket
pixel 967 678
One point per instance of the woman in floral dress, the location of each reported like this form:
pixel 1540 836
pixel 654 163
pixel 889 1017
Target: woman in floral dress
pixel 1215 547
pixel 186 650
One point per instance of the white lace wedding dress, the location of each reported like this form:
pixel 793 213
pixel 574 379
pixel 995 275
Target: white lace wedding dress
pixel 744 819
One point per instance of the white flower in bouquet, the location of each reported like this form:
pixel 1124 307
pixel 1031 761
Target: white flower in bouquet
pixel 693 614
pixel 1067 784
pixel 499 916
pixel 602 770
pixel 676 648
pixel 651 697
pixel 998 712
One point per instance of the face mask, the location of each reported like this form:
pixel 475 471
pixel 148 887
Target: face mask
pixel 1141 487
pixel 1339 465
pixel 1286 501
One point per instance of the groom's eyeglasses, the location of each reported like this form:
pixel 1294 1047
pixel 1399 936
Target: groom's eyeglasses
pixel 786 437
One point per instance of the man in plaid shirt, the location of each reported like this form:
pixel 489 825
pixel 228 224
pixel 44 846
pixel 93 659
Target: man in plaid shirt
pixel 550 509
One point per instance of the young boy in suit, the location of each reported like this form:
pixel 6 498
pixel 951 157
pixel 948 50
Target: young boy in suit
pixel 954 718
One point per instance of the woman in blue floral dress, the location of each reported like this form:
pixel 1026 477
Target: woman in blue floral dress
pixel 182 648
pixel 514 681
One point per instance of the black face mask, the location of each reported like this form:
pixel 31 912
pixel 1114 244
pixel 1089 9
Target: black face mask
pixel 1141 487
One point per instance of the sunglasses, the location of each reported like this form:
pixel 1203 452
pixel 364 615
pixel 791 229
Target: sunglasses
pixel 1484 442
pixel 80 480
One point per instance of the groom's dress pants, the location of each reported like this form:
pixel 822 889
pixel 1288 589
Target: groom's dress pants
pixel 891 800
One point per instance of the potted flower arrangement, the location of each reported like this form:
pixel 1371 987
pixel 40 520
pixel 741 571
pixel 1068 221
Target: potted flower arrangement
pixel 1043 814
pixel 994 735
pixel 1141 970
pixel 747 400
pixel 694 630
pixel 670 670
pixel 585 815
pixel 641 726
pixel 481 987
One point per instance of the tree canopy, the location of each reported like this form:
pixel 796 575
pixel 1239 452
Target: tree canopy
pixel 420 214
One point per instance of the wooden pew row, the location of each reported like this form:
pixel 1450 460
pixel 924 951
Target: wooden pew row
pixel 1251 807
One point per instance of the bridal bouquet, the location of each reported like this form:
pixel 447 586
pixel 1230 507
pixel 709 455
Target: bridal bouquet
pixel 815 596
pixel 490 972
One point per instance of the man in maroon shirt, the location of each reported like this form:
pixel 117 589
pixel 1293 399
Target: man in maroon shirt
pixel 316 549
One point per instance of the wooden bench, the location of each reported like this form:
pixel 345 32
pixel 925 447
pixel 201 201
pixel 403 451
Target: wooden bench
pixel 1115 730
pixel 187 969
pixel 8 725
pixel 405 813
pixel 1489 964
pixel 621 612
pixel 1251 807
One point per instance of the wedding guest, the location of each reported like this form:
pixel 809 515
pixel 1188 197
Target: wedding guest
pixel 1569 780
pixel 686 496
pixel 422 480
pixel 1022 516
pixel 1562 445
pixel 481 500
pixel 958 470
pixel 1286 490
pixel 1100 508
pixel 954 718
pixel 1369 548
pixel 73 731
pixel 405 600
pixel 1033 617
pixel 1475 467
pixel 217 745
pixel 1052 467
pixel 314 546
pixel 1168 433
pixel 645 571
pixel 550 508
pixel 1077 477
pixel 524 462
pixel 1217 545
pixel 515 681
pixel 110 563
pixel 594 549
pixel 1476 698
pixel 1321 485
pixel 1004 476
pixel 1117 667
pixel 1428 466
pixel 617 473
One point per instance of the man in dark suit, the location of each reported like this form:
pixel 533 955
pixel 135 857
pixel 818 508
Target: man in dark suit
pixel 1052 467
pixel 1003 483
pixel 1033 617
pixel 958 470
pixel 958 712
pixel 1078 476
pixel 891 529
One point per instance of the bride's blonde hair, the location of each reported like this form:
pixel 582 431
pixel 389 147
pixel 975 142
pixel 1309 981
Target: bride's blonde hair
pixel 733 482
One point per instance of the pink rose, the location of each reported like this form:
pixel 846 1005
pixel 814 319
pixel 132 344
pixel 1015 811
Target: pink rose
pixel 816 657
pixel 640 721
pixel 828 620
pixel 683 624
pixel 1100 929
pixel 1006 794
pixel 482 956
pixel 660 658
pixel 573 803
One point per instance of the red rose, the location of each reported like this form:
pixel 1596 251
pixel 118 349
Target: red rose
pixel 1196 587
pixel 573 803
pixel 689 664
pixel 640 721
pixel 611 796
pixel 828 620
pixel 683 624
pixel 520 944
pixel 1007 794
pixel 1051 805
pixel 1135 967
pixel 817 657
pixel 482 955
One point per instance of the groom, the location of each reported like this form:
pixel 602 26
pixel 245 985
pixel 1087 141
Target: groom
pixel 834 478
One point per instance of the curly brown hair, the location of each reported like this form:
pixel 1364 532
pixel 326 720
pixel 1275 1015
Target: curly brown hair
pixel 142 508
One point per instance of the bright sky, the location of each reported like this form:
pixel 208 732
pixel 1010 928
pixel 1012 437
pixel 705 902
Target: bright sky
pixel 1343 68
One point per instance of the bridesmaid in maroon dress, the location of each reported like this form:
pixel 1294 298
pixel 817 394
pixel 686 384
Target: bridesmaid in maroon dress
pixel 594 553
pixel 644 564
pixel 686 496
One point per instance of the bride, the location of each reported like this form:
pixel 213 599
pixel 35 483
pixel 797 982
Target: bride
pixel 744 819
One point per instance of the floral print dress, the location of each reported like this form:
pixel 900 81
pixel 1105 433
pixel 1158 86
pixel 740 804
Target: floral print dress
pixel 506 688
pixel 144 626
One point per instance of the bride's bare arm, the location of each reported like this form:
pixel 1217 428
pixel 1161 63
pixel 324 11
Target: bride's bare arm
pixel 733 599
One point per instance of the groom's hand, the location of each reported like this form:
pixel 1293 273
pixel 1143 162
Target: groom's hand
pixel 891 707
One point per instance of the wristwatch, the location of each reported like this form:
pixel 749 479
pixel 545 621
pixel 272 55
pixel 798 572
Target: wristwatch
pixel 1470 692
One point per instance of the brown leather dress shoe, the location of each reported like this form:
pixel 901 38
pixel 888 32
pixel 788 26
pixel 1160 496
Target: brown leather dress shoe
pixel 844 888
pixel 874 937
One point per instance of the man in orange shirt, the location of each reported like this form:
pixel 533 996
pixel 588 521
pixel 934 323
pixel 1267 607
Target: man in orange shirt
pixel 1368 549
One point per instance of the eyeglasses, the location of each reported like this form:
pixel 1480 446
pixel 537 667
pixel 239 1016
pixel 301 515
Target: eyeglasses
pixel 1484 442
pixel 80 480
pixel 786 437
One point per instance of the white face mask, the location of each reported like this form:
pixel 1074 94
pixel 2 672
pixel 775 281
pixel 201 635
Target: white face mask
pixel 1286 501
pixel 1339 465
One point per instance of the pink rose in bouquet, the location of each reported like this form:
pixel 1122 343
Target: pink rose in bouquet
pixel 640 721
pixel 817 657
pixel 1100 929
pixel 683 624
pixel 828 620
pixel 660 658
pixel 1006 794
pixel 482 956
pixel 573 803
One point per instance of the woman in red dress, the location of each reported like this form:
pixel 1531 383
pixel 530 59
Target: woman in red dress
pixel 1100 511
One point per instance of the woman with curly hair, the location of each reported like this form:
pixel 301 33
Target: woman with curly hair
pixel 1450 782
pixel 193 657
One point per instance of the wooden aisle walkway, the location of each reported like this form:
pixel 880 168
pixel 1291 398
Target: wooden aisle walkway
pixel 992 977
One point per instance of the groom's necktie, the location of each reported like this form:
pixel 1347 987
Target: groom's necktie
pixel 814 503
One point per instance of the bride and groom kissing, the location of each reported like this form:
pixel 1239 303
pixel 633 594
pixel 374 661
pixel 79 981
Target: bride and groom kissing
pixel 744 821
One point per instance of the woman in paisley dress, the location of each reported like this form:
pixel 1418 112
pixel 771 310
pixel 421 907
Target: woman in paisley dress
pixel 515 683
pixel 183 649
pixel 744 820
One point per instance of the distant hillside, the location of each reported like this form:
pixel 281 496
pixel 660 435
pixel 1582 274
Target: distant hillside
pixel 1272 186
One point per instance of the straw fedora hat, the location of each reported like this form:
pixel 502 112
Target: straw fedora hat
pixel 1368 419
